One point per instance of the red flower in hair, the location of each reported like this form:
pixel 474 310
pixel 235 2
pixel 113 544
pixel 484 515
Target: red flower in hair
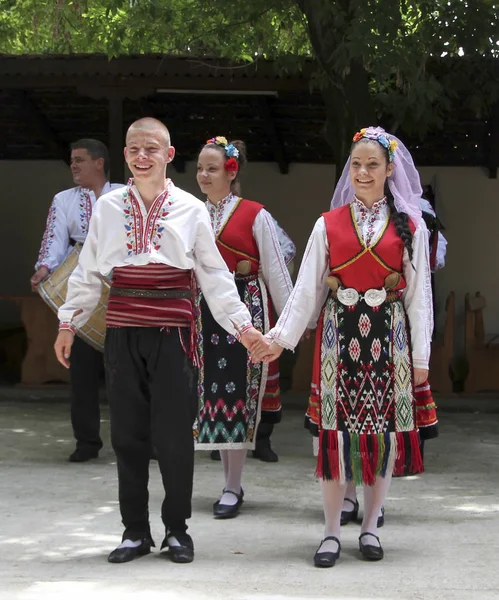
pixel 358 136
pixel 231 165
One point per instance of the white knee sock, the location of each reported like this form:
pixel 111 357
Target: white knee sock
pixel 235 460
pixel 224 457
pixel 351 494
pixel 130 544
pixel 374 498
pixel 333 493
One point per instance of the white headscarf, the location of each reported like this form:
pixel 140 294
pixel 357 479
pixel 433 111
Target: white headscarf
pixel 404 183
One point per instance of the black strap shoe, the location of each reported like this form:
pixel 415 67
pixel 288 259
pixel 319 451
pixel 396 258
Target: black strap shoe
pixel 327 559
pixel 228 511
pixel 347 516
pixel 370 552
pixel 123 555
pixel 179 554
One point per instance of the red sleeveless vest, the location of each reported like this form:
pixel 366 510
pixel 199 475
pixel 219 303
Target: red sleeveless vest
pixel 356 265
pixel 235 240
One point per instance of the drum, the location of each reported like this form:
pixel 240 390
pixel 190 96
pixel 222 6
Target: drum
pixel 53 291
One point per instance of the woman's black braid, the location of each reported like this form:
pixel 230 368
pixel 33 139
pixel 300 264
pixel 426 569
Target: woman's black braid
pixel 400 220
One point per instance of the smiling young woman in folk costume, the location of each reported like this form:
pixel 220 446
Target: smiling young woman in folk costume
pixel 236 394
pixel 365 278
pixel 426 410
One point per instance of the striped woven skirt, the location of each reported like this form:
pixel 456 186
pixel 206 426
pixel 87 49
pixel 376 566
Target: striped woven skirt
pixel 235 394
pixel 362 406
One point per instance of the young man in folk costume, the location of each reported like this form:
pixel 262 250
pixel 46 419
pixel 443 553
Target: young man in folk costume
pixel 365 279
pixel 236 394
pixel 155 239
pixel 67 224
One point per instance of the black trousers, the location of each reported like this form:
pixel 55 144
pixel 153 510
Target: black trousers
pixel 85 369
pixel 151 386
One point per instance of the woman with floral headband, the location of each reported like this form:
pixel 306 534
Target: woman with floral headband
pixel 232 389
pixel 365 280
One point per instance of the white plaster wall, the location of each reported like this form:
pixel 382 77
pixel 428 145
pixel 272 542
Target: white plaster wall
pixel 468 203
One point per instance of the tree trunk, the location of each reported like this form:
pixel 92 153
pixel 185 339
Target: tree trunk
pixel 349 106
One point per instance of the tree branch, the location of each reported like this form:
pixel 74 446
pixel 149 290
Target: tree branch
pixel 229 26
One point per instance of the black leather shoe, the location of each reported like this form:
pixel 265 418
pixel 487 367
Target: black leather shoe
pixel 327 559
pixel 227 511
pixel 371 552
pixel 347 516
pixel 80 455
pixel 381 520
pixel 183 553
pixel 123 555
pixel 215 455
pixel 265 453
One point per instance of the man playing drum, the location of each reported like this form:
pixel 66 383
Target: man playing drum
pixel 67 224
pixel 157 240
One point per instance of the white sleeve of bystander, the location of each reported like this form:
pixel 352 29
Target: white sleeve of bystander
pixel 85 283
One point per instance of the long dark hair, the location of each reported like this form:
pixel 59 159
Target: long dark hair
pixel 400 219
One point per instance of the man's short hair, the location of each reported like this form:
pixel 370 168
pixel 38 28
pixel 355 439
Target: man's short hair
pixel 95 148
pixel 150 124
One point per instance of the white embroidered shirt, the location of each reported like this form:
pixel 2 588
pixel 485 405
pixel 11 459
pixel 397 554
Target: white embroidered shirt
pixel 68 219
pixel 176 231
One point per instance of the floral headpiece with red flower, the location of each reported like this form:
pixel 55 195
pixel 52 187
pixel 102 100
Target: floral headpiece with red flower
pixel 378 134
pixel 232 153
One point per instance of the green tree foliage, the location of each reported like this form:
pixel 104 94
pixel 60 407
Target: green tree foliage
pixel 405 61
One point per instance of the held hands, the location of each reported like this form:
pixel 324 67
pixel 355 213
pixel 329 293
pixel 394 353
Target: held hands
pixel 38 277
pixel 273 353
pixel 252 340
pixel 260 347
pixel 63 345
pixel 420 376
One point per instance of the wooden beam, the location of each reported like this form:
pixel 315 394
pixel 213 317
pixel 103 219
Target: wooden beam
pixel 275 139
pixel 96 91
pixel 41 125
pixel 116 139
pixel 493 162
pixel 134 72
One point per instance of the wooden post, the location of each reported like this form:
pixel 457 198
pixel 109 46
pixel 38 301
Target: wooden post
pixel 116 138
pixel 494 142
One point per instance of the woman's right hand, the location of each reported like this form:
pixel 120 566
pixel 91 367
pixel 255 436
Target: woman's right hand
pixel 267 355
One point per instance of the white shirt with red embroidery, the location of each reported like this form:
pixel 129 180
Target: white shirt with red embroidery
pixel 176 231
pixel 271 241
pixel 68 219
